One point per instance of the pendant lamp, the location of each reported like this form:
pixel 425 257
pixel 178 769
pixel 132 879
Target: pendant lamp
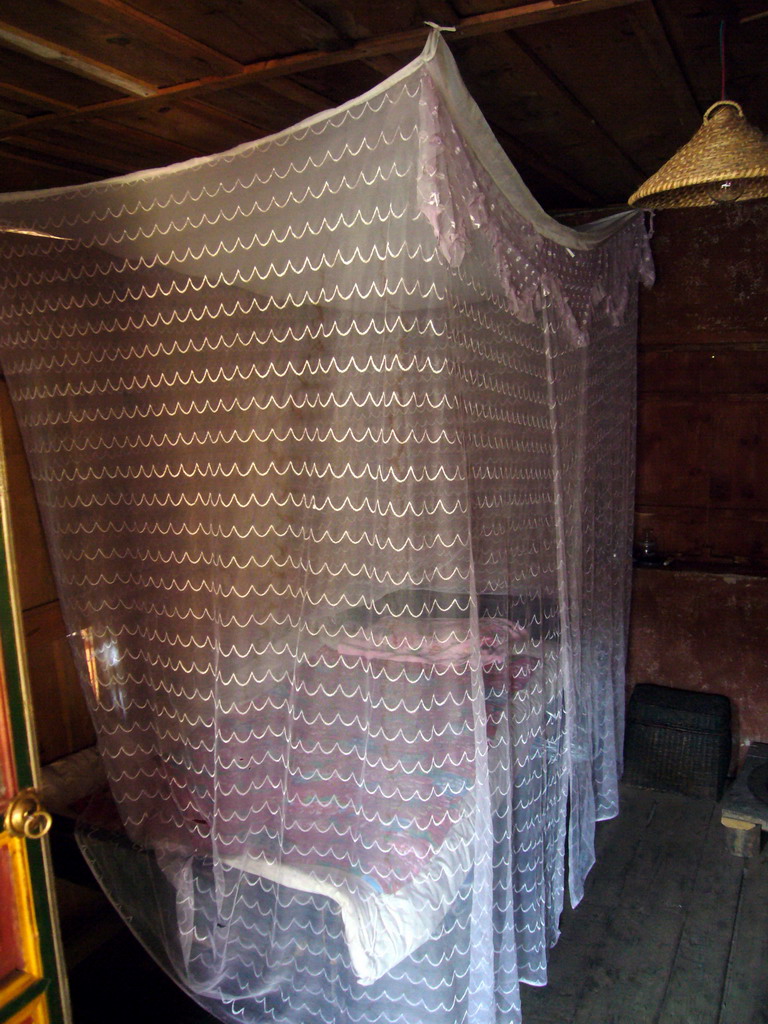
pixel 725 161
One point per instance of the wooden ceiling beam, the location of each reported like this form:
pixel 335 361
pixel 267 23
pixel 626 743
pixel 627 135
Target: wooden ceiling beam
pixel 522 155
pixel 514 47
pixel 657 48
pixel 71 61
pixel 16 94
pixel 385 65
pixel 512 18
pixel 132 20
pixel 227 129
pixel 9 152
pixel 296 93
pixel 142 137
pixel 442 12
pixel 269 70
pixel 69 154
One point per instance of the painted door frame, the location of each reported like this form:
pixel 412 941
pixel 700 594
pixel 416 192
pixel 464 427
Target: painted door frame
pixel 36 992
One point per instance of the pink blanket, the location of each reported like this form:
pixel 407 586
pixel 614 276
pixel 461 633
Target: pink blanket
pixel 362 760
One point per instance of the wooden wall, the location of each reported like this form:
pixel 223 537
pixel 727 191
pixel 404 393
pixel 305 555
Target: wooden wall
pixel 61 718
pixel 702 484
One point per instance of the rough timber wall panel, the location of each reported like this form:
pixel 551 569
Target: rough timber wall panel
pixel 703 407
pixel 702 452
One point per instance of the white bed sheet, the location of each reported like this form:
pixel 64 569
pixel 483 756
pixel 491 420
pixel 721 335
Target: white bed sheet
pixel 381 929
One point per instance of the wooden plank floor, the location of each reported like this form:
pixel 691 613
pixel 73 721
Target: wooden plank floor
pixel 673 929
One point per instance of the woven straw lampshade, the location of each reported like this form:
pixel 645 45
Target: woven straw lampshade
pixel 725 161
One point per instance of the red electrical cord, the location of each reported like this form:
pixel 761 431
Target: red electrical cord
pixel 722 59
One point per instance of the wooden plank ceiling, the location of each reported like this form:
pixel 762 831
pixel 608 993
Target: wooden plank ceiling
pixel 587 96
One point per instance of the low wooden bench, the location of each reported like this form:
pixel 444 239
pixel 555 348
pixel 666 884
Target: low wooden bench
pixel 743 814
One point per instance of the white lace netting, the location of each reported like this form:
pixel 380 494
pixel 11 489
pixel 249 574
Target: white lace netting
pixel 332 439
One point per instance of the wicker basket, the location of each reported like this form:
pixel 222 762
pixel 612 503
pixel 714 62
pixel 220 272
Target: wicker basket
pixel 678 741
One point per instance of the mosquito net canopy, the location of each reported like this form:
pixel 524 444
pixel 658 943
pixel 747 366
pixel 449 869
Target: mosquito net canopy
pixel 332 441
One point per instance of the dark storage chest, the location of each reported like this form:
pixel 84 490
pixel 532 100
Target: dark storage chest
pixel 677 740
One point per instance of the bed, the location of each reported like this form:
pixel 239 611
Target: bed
pixel 389 838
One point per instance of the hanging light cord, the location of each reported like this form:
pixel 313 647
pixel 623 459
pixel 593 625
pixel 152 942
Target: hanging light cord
pixel 722 59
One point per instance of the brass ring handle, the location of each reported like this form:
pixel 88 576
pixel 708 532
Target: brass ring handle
pixel 26 818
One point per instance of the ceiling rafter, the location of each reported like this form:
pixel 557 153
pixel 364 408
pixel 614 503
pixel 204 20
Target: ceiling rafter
pixel 276 68
pixel 297 93
pixel 523 155
pixel 515 47
pixel 385 65
pixel 442 12
pixel 125 18
pixel 654 40
pixel 53 150
pixel 591 91
pixel 152 131
pixel 69 60
pixel 177 150
pixel 17 94
pixel 12 154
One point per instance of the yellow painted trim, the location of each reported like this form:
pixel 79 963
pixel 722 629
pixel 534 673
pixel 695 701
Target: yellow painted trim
pixel 16 618
pixel 16 985
pixel 35 1013
pixel 6 535
pixel 30 946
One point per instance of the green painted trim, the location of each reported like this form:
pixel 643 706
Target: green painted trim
pixel 37 988
pixel 17 714
pixel 25 777
pixel 46 940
